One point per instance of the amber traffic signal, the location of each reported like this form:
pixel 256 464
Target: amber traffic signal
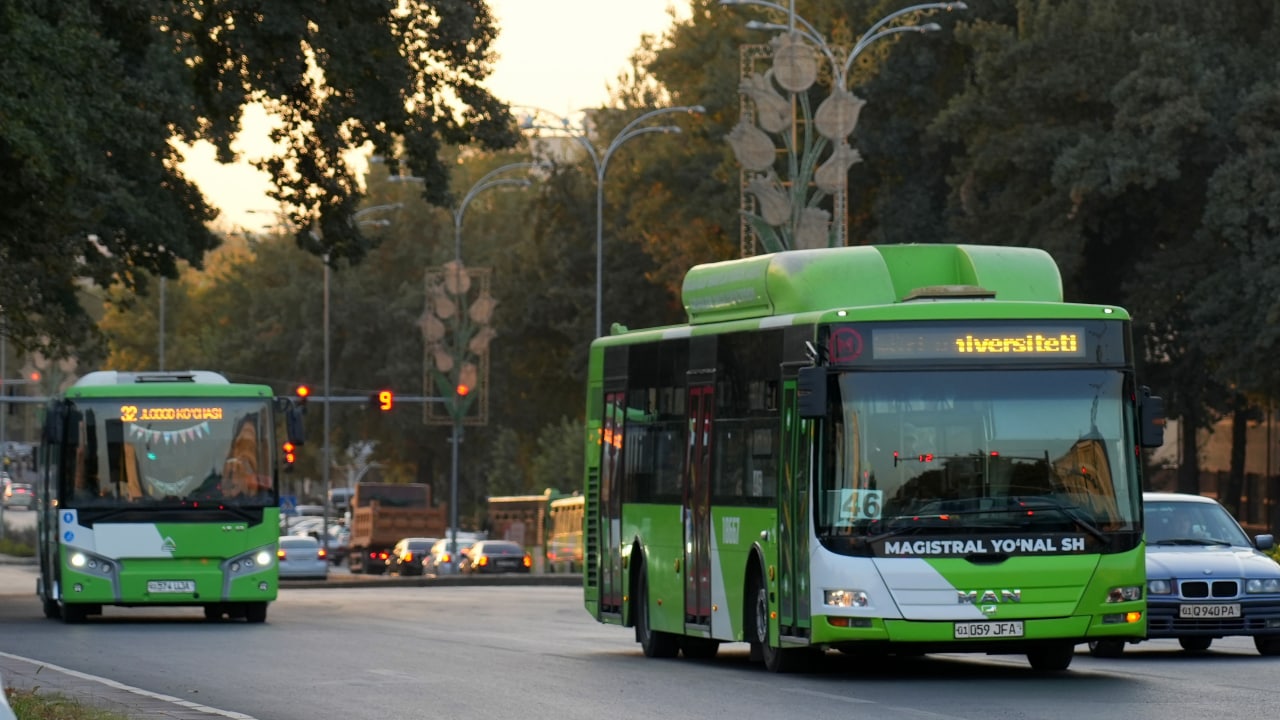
pixel 289 455
pixel 383 400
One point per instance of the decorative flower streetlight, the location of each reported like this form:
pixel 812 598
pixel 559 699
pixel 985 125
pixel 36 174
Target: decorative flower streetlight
pixel 788 215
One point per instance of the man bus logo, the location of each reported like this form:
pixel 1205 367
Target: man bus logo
pixel 974 597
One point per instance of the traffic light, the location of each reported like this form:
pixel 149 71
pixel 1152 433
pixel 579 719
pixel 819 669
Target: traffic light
pixel 462 389
pixel 303 392
pixel 289 456
pixel 383 400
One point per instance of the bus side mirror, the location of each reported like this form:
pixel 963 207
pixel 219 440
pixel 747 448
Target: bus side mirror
pixel 1151 419
pixel 811 391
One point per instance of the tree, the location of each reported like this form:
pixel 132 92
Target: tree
pixel 91 93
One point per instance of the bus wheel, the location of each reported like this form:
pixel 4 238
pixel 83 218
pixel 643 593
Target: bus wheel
pixel 1052 657
pixel 74 614
pixel 654 643
pixel 255 612
pixel 51 609
pixel 213 613
pixel 776 659
pixel 696 648
pixel 1106 648
pixel 1195 644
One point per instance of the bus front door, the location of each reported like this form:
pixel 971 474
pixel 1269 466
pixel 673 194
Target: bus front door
pixel 697 507
pixel 793 519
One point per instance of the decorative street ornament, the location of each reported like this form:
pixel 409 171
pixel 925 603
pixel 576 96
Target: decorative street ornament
pixel 481 312
pixel 814 229
pixel 773 112
pixel 837 116
pixel 775 206
pixel 456 279
pixel 752 147
pixel 830 177
pixel 795 62
pixel 457 331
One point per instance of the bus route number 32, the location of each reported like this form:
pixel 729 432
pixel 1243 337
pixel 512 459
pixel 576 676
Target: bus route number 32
pixel 856 504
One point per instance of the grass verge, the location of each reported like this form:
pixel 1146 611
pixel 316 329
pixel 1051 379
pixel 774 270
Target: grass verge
pixel 33 705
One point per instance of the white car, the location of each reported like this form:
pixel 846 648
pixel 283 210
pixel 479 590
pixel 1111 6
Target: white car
pixel 301 557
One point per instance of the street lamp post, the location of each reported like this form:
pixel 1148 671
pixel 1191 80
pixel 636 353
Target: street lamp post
pixel 600 161
pixel 492 179
pixel 791 219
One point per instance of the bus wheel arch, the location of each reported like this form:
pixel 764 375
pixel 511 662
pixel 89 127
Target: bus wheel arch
pixel 654 643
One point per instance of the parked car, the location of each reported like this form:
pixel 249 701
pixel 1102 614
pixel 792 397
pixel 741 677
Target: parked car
pixel 445 558
pixel 496 556
pixel 1206 579
pixel 19 495
pixel 409 555
pixel 300 556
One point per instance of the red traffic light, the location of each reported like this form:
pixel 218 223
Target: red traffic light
pixel 303 392
pixel 289 455
pixel 462 389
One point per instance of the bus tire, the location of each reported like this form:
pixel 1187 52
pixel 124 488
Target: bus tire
pixel 697 648
pixel 74 614
pixel 213 613
pixel 51 609
pixel 1106 648
pixel 776 659
pixel 1051 656
pixel 255 612
pixel 654 643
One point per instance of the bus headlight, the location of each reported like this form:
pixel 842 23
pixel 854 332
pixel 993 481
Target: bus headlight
pixel 1159 587
pixel 1260 585
pixel 78 560
pixel 845 598
pixel 263 557
pixel 1124 593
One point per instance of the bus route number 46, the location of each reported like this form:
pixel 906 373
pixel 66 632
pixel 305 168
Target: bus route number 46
pixel 860 504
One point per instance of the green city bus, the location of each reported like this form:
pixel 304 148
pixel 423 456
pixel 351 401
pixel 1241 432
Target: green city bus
pixel 161 488
pixel 873 450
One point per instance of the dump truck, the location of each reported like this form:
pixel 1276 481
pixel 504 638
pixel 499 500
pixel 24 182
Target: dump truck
pixel 384 513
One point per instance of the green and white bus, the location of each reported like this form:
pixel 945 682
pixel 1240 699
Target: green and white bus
pixel 161 488
pixel 875 449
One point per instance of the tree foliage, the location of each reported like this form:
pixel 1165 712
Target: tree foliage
pixel 91 93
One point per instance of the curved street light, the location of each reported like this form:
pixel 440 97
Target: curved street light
pixel 494 178
pixel 600 162
pixel 791 219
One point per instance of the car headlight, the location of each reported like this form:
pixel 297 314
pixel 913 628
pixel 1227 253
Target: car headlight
pixel 1159 587
pixel 1262 585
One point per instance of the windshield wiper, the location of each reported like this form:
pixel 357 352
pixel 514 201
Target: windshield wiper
pixel 1191 541
pixel 1071 512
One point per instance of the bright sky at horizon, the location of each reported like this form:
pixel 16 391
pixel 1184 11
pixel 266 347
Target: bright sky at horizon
pixel 557 55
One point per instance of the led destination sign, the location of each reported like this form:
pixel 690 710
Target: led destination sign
pixel 1011 343
pixel 133 413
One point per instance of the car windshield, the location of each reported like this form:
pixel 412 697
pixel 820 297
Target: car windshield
pixel 1191 523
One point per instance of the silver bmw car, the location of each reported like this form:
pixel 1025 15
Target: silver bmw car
pixel 1206 578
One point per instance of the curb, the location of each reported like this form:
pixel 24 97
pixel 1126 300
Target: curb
pixel 348 581
pixel 6 712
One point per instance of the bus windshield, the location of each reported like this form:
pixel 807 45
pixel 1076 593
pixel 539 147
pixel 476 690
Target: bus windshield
pixel 166 451
pixel 968 452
